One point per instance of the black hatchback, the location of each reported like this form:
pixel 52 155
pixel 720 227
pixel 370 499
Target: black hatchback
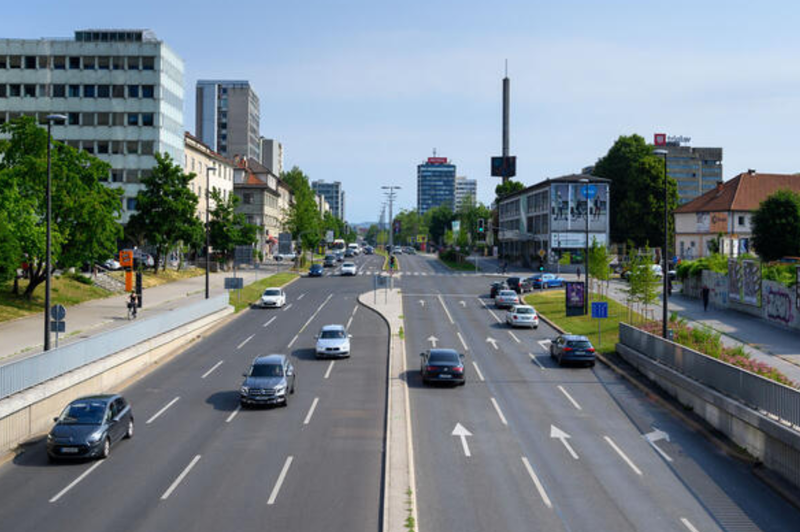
pixel 442 365
pixel 572 348
pixel 89 426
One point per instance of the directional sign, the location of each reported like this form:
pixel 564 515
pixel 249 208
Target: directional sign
pixel 600 310
pixel 432 339
pixel 559 434
pixel 58 312
pixel 234 283
pixel 462 433
pixel 58 327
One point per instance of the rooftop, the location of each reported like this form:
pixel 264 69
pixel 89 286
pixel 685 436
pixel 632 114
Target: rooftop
pixel 745 192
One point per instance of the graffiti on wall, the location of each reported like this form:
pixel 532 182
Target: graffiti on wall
pixel 744 282
pixel 779 305
pixel 734 278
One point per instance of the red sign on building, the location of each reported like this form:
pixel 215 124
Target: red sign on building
pixel 660 139
pixel 437 160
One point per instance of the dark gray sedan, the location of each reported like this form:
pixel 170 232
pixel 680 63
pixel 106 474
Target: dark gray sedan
pixel 572 348
pixel 89 426
pixel 270 381
pixel 442 365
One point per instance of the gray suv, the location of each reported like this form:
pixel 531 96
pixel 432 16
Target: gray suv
pixel 270 381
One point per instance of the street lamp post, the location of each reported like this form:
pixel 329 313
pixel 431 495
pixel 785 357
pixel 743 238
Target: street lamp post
pixel 585 183
pixel 209 169
pixel 48 258
pixel 665 266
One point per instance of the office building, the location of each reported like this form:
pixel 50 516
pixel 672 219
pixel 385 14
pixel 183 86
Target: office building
pixel 333 194
pixel 696 170
pixel 121 90
pixel 227 118
pixel 466 191
pixel 272 155
pixel 436 184
pixel 198 158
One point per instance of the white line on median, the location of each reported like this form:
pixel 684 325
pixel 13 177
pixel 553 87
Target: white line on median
pixel 568 396
pixel 539 487
pixel 245 341
pixel 622 455
pixel 233 414
pixel 688 524
pixel 287 307
pixel 300 296
pixel 349 322
pixel 533 357
pixel 277 488
pixel 514 336
pixel 270 321
pixel 462 341
pixel 478 371
pixel 355 309
pixel 499 412
pixel 75 482
pixel 155 416
pixel 330 367
pixel 449 317
pixel 311 411
pixel 180 478
pixel 207 373
pixel 293 341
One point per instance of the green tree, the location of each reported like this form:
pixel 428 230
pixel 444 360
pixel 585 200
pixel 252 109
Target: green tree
pixel 84 222
pixel 509 187
pixel 165 208
pixel 228 228
pixel 303 219
pixel 411 225
pixel 643 282
pixel 468 214
pixel 776 226
pixel 637 191
pixel 372 234
pixel 599 269
pixel 438 220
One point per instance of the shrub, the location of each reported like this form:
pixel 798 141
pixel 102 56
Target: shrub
pixel 81 279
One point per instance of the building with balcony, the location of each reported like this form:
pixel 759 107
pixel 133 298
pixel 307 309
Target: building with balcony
pixel 333 194
pixel 466 191
pixel 198 158
pixel 227 118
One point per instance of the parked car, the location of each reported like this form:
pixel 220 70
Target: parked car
pixel 496 287
pixel 657 271
pixel 546 280
pixel 112 264
pixel 285 256
pixel 442 365
pixel 522 316
pixel 506 299
pixel 572 348
pixel 410 251
pixel 329 261
pixel 333 341
pixel 272 298
pixel 270 380
pixel 89 426
pixel 519 285
pixel 348 268
pixel 316 270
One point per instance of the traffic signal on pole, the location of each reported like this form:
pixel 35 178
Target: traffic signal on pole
pixel 541 264
pixel 480 225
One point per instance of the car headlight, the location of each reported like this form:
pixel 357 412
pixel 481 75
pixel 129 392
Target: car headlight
pixel 280 389
pixel 245 390
pixel 95 437
pixel 50 438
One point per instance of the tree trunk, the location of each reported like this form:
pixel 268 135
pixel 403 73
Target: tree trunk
pixel 35 278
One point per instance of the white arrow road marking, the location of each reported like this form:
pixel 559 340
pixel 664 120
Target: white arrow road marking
pixel 449 317
pixel 281 477
pixel 330 367
pixel 653 437
pixel 568 396
pixel 492 341
pixel 478 371
pixel 688 525
pixel 514 336
pixel 539 487
pixel 466 348
pixel 233 414
pixel 432 339
pixel 499 412
pixel 180 478
pixel 622 455
pixel 463 303
pixel 422 302
pixel 545 344
pixel 155 416
pixel 311 411
pixel 215 366
pixel 270 321
pixel 559 434
pixel 75 482
pixel 462 433
pixel 533 357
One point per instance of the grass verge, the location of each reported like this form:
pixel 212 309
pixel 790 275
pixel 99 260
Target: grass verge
pixel 150 279
pixel 458 266
pixel 66 290
pixel 251 292
pixel 385 256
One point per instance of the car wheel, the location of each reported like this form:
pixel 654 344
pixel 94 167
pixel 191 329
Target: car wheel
pixel 129 432
pixel 51 459
pixel 462 383
pixel 560 361
pixel 591 364
pixel 106 448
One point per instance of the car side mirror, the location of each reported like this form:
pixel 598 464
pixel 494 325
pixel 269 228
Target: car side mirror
pixel 349 335
pixel 422 354
pixel 290 372
pixel 244 374
pixel 55 419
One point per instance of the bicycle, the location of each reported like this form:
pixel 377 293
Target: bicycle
pixel 131 311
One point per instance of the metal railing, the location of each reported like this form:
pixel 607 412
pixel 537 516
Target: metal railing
pixel 760 393
pixel 22 374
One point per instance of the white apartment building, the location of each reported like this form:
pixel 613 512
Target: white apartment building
pixel 466 190
pixel 198 158
pixel 272 155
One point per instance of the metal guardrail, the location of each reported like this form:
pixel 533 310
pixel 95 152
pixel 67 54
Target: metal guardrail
pixel 22 374
pixel 753 390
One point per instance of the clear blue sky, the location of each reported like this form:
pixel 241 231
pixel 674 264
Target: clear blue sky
pixel 361 92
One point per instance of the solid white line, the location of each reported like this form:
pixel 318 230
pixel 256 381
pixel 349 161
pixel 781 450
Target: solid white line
pixel 449 317
pixel 180 478
pixel 161 411
pixel 533 357
pixel 499 412
pixel 233 414
pixel 688 524
pixel 245 341
pixel 301 296
pixel 270 321
pixel 277 488
pixel 622 455
pixel 311 411
pixel 75 482
pixel 330 367
pixel 466 348
pixel 293 341
pixel 571 400
pixel 514 336
pixel 539 487
pixel 207 373
pixel 287 307
pixel 313 315
pixel 355 309
pixel 658 449
pixel 349 322
pixel 478 371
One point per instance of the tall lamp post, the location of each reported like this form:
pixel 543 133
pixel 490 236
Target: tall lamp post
pixel 665 266
pixel 209 169
pixel 585 183
pixel 391 195
pixel 48 258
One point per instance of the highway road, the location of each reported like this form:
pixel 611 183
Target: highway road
pixel 527 445
pixel 197 462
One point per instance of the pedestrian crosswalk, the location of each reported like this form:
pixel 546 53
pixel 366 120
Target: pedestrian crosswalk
pixel 407 274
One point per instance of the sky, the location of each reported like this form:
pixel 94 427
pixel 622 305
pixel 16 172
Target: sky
pixel 363 91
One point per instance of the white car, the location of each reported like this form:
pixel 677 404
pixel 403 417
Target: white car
pixel 522 316
pixel 506 299
pixel 333 341
pixel 112 264
pixel 272 298
pixel 348 268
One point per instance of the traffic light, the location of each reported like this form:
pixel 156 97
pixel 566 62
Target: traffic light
pixel 541 264
pixel 391 262
pixel 480 225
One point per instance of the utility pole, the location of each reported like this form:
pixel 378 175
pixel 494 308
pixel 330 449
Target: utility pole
pixel 391 194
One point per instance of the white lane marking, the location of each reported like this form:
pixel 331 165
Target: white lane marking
pixel 215 366
pixel 558 434
pixel 180 478
pixel 498 320
pixel 270 321
pixel 301 296
pixel 688 524
pixel 655 436
pixel 281 477
pixel 287 307
pixel 245 341
pixel 303 328
pixel 349 322
pixel 539 487
pixel 330 367
pixel 311 411
pixel 533 357
pixel 462 434
pixel 449 317
pixel 492 341
pixel 155 416
pixel 293 341
pixel 355 309
pixel 622 455
pixel 545 344
pixel 466 348
pixel 568 396
pixel 478 371
pixel 233 414
pixel 499 412
pixel 74 482
pixel 514 336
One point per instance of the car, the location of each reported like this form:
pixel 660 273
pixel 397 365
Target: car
pixel 522 316
pixel 333 341
pixel 369 250
pixel 112 264
pixel 269 381
pixel 272 298
pixel 89 426
pixel 329 261
pixel 572 348
pixel 496 287
pixel 339 256
pixel 348 268
pixel 410 251
pixel 657 271
pixel 442 365
pixel 349 254
pixel 506 299
pixel 316 270
pixel 546 280
pixel 285 256
pixel 397 250
pixel 519 285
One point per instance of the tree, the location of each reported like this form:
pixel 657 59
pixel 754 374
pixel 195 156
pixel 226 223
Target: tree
pixel 228 228
pixel 509 187
pixel 84 222
pixel 165 208
pixel 438 220
pixel 776 226
pixel 642 282
pixel 303 219
pixel 468 214
pixel 637 191
pixel 599 262
pixel 411 225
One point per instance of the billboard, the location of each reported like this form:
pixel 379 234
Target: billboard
pixel 437 160
pixel 504 166
pixel 575 298
pixel 284 243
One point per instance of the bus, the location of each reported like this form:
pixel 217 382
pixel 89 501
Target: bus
pixel 339 245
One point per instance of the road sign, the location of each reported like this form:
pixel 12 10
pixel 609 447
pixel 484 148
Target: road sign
pixel 243 254
pixel 421 239
pixel 329 236
pixel 542 253
pixel 234 283
pixel 58 327
pixel 126 258
pixel 456 226
pixel 599 309
pixel 58 312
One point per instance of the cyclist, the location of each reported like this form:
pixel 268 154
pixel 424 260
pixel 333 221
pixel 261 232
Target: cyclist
pixel 133 303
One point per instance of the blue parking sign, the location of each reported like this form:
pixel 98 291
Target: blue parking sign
pixel 600 309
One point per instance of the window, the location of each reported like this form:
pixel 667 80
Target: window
pixel 117 175
pixel 118 119
pixel 147 119
pixel 87 119
pixel 88 63
pixel 104 91
pixel 74 91
pixel 74 119
pixel 148 62
pixel 118 63
pixel 248 198
pixel 44 61
pixel 2 90
pixel 147 91
pixel 133 63
pixel 133 91
pixel 102 146
pixel 14 90
pixel 103 119
pixel 132 147
pixel 15 61
pixel 59 62
pixel 133 119
pixel 116 147
pixel 118 91
pixel 146 147
pixel 3 61
pixel 44 90
pixel 30 91
pixel 131 204
pixel 741 220
pixel 59 91
pixel 88 91
pixel 30 61
pixel 88 146
pixel 74 63
pixel 103 63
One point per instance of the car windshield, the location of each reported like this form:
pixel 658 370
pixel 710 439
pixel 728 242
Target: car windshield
pixel 579 344
pixel 330 257
pixel 272 292
pixel 348 265
pixel 332 335
pixel 267 370
pixel 443 358
pixel 524 310
pixel 83 413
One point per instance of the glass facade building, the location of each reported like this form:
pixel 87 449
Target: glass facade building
pixel 436 184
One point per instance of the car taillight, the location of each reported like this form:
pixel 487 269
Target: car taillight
pixel 430 368
pixel 591 349
pixel 567 349
pixel 458 369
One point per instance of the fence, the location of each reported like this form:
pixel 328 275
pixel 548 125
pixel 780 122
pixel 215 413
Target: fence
pixel 22 374
pixel 753 390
